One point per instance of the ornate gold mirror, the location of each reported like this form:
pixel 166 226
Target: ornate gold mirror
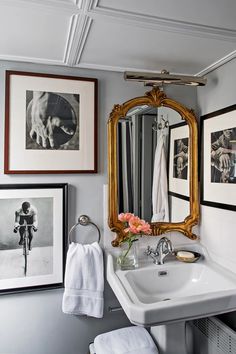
pixel 152 164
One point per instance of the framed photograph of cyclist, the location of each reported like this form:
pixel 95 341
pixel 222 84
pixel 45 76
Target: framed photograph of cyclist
pixel 218 160
pixel 178 175
pixel 50 124
pixel 33 236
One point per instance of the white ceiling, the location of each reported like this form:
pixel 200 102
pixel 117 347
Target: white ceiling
pixel 184 36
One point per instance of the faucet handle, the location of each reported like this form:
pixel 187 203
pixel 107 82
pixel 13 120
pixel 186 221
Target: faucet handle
pixel 148 251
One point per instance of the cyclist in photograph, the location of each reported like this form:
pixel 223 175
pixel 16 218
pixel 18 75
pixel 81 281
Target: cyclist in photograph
pixel 27 213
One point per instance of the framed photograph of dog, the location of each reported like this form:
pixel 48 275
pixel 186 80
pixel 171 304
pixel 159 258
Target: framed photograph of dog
pixel 50 124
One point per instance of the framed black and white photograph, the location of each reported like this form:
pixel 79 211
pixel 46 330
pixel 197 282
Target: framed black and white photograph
pixel 179 160
pixel 50 124
pixel 33 236
pixel 218 165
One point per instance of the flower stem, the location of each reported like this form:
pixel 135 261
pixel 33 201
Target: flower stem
pixel 128 249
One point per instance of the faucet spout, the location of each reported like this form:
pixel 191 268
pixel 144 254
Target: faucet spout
pixel 163 249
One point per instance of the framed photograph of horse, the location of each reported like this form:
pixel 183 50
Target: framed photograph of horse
pixel 50 124
pixel 33 236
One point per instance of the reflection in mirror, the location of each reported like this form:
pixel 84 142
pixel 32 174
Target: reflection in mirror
pixel 152 158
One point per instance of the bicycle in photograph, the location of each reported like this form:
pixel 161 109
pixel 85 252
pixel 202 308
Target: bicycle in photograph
pixel 25 243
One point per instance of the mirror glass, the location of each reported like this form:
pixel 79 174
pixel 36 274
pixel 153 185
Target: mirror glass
pixel 153 164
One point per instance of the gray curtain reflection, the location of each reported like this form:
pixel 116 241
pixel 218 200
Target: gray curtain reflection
pixel 136 148
pixel 125 166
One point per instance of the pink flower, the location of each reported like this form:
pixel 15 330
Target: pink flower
pixel 135 223
pixel 132 230
pixel 146 228
pixel 137 226
pixel 125 217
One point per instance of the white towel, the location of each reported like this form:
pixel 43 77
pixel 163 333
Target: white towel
pixel 84 280
pixel 129 340
pixel 160 203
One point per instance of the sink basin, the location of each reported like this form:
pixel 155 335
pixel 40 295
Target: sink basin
pixel 173 281
pixel 176 291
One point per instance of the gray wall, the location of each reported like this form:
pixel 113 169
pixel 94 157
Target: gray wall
pixel 33 323
pixel 217 228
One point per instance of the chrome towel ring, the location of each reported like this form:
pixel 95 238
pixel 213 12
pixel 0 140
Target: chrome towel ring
pixel 84 220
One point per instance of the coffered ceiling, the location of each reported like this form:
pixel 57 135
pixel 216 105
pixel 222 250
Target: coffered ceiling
pixel 184 36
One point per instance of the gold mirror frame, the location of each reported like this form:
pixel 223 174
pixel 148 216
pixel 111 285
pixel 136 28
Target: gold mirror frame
pixel 155 98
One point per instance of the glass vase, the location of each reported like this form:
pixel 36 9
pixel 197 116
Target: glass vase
pixel 128 257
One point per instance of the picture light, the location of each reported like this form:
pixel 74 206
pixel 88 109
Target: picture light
pixel 164 78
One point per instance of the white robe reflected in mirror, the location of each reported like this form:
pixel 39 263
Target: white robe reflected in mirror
pixel 160 204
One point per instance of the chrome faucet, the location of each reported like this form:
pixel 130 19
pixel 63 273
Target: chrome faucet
pixel 163 248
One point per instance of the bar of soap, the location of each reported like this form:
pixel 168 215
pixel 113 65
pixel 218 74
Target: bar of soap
pixel 185 254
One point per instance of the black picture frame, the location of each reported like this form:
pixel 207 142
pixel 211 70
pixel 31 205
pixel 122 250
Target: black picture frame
pixel 217 181
pixel 173 187
pixel 43 268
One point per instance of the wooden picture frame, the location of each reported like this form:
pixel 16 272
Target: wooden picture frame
pixel 50 124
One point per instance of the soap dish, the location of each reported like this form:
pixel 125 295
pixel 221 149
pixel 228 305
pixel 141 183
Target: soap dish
pixel 187 259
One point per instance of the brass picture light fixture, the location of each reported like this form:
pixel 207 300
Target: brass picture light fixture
pixel 164 77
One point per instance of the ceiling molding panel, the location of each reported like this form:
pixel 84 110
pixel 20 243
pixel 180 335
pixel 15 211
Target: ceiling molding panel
pixel 114 68
pixel 79 29
pixel 133 47
pixel 217 64
pixel 93 5
pixel 70 40
pixel 163 24
pixel 31 60
pixel 214 13
pixel 65 6
pixel 184 36
pixel 33 35
pixel 79 3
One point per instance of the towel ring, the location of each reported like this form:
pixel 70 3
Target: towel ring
pixel 84 220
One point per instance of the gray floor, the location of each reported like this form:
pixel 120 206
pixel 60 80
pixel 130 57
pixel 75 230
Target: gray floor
pixel 40 262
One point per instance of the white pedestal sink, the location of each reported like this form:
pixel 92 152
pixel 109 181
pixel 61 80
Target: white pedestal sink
pixel 171 338
pixel 155 295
